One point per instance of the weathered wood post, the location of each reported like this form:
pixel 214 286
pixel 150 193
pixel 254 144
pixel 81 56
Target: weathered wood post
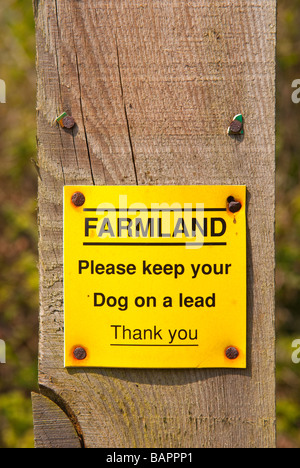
pixel 153 86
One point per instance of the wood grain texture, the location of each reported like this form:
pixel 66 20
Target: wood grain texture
pixel 52 427
pixel 153 86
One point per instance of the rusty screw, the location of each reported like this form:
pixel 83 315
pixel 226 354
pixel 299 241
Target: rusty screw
pixel 235 127
pixel 79 354
pixel 232 353
pixel 78 199
pixel 68 122
pixel 233 205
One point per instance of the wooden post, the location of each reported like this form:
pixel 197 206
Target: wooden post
pixel 153 86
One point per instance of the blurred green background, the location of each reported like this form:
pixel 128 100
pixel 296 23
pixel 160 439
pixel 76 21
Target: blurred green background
pixel 288 224
pixel 18 227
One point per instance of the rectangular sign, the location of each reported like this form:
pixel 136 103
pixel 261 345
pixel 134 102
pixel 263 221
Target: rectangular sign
pixel 155 276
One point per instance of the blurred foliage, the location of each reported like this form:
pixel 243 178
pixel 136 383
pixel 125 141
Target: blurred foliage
pixel 18 227
pixel 18 230
pixel 288 224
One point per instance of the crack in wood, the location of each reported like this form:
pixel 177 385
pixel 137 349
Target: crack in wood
pixel 83 119
pixel 126 114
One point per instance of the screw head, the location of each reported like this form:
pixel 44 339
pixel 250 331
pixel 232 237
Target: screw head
pixel 68 122
pixel 232 353
pixel 236 127
pixel 78 199
pixel 234 206
pixel 79 353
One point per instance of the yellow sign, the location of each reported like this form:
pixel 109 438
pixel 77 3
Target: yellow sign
pixel 155 277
